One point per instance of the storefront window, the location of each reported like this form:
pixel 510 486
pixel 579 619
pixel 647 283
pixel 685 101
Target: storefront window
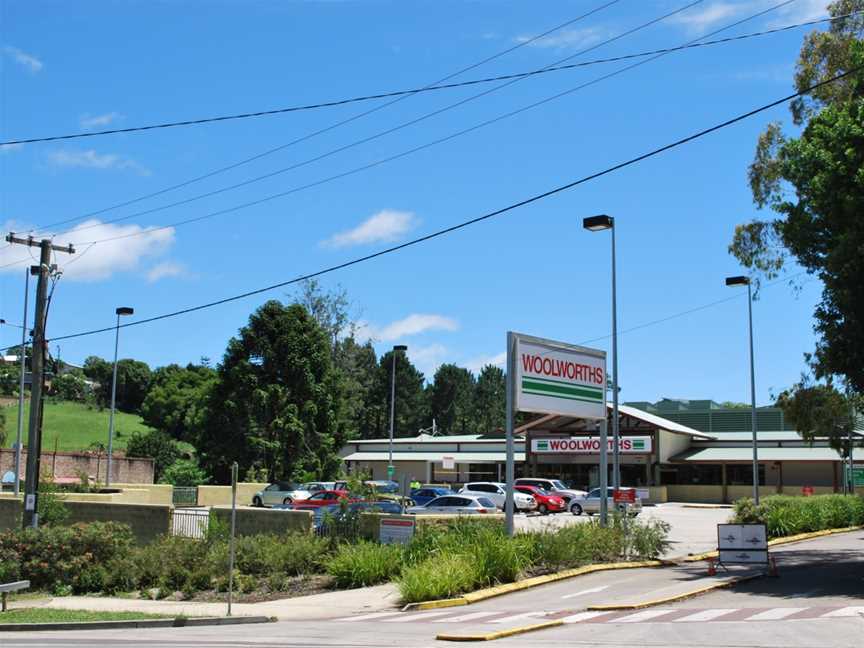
pixel 742 474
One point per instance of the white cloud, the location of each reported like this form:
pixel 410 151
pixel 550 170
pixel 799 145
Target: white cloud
pixel 568 38
pixel 716 14
pixel 428 358
pixel 474 365
pixel 97 262
pixel 164 270
pixel 90 159
pixel 88 121
pixel 25 60
pixel 412 325
pixel 386 225
pixel 8 148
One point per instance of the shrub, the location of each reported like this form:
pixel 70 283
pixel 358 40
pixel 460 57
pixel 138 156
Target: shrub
pixel 446 577
pixel 784 515
pixel 365 563
pixel 184 472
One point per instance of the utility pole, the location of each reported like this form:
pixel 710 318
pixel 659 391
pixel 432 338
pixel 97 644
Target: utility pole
pixel 34 437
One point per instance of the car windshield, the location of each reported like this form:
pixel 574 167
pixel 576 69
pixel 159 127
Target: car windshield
pixel 559 485
pixel 485 502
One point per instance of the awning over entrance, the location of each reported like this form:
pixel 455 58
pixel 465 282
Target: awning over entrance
pixel 745 454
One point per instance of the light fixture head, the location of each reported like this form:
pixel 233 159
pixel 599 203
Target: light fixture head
pixel 125 310
pixel 598 223
pixel 737 281
pixel 400 347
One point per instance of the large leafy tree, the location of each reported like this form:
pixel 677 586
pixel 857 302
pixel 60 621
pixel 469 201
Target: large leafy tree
pixel 411 412
pixel 451 399
pixel 156 445
pixel 133 382
pixel 490 399
pixel 814 184
pixel 176 394
pixel 275 401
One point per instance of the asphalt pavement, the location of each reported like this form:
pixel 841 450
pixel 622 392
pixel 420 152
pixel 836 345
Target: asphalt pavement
pixel 817 600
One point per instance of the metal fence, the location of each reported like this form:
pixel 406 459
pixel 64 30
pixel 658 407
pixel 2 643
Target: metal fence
pixel 185 496
pixel 190 523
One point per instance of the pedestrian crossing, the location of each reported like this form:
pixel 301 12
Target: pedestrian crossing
pixel 653 615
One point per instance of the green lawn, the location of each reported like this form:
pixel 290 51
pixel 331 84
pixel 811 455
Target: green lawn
pixel 51 615
pixel 74 426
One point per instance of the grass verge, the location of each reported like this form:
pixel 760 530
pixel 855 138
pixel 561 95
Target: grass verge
pixel 53 615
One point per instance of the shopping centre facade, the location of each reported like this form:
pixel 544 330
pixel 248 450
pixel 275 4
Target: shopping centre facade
pixel 675 450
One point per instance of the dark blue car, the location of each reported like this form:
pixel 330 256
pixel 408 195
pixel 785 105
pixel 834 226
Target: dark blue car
pixel 423 496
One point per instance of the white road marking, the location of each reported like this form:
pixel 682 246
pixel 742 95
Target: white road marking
pixel 512 617
pixel 588 591
pixel 844 612
pixel 776 613
pixel 643 616
pixel 582 616
pixel 707 615
pixel 467 617
pixel 366 617
pixel 407 618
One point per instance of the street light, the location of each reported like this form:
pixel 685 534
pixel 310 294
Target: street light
pixel 121 311
pixel 599 224
pixel 399 347
pixel 745 281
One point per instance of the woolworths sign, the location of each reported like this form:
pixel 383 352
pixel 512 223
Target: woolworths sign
pixel 557 378
pixel 590 445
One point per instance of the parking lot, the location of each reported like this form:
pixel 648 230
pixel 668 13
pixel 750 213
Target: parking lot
pixel 693 530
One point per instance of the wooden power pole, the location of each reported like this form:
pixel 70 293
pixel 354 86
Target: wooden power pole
pixel 37 381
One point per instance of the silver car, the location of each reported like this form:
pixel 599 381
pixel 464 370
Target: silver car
pixel 461 504
pixel 497 492
pixel 555 487
pixel 590 504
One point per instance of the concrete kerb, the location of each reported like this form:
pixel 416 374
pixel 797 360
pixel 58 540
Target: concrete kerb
pixel 812 535
pixel 500 634
pixel 178 622
pixel 499 590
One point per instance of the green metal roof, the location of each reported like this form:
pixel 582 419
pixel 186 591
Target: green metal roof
pixel 785 435
pixel 721 455
pixel 459 457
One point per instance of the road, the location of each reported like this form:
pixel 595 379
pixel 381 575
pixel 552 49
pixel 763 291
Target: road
pixel 818 600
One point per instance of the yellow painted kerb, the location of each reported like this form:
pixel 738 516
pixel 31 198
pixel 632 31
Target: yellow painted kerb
pixel 509 632
pixel 676 597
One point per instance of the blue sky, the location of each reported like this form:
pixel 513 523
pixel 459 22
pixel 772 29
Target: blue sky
pixel 70 67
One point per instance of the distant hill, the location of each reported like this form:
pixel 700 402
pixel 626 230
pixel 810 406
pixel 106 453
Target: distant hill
pixel 74 426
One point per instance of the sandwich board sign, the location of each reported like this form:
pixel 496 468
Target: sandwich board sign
pixel 742 544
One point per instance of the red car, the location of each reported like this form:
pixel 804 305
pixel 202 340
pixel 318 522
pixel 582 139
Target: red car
pixel 322 498
pixel 546 502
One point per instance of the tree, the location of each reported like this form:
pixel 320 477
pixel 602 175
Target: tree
pixel 184 472
pixel 69 387
pixel 133 381
pixel 329 309
pixel 821 411
pixel 451 399
pixel 815 185
pixel 357 365
pixel 490 400
pixel 176 393
pixel 156 445
pixel 411 412
pixel 273 403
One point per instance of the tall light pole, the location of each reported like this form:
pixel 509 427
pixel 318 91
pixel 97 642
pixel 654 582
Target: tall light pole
pixel 391 470
pixel 745 281
pixel 598 224
pixel 121 311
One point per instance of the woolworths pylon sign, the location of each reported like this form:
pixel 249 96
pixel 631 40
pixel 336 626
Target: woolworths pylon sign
pixel 557 378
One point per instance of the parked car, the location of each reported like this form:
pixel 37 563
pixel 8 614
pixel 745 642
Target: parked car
pixel 281 493
pixel 590 504
pixel 554 487
pixel 497 492
pixel 426 494
pixel 546 502
pixel 384 486
pixel 322 498
pixel 462 504
pixel 335 514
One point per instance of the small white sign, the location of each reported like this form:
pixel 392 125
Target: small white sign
pixel 396 530
pixel 448 463
pixel 30 502
pixel 748 537
pixel 742 556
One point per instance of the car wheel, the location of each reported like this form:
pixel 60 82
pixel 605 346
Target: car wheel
pixel 256 501
pixel 576 509
pixel 543 509
pixel 288 500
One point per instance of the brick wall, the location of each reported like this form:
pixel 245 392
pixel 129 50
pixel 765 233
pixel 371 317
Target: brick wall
pixel 128 470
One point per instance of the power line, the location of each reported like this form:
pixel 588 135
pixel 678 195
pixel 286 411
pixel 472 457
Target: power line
pixel 478 219
pixel 391 158
pixel 336 125
pixel 415 91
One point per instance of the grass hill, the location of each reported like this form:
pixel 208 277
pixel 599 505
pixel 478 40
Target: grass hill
pixel 74 426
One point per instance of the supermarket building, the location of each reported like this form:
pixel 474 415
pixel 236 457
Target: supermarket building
pixel 676 450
